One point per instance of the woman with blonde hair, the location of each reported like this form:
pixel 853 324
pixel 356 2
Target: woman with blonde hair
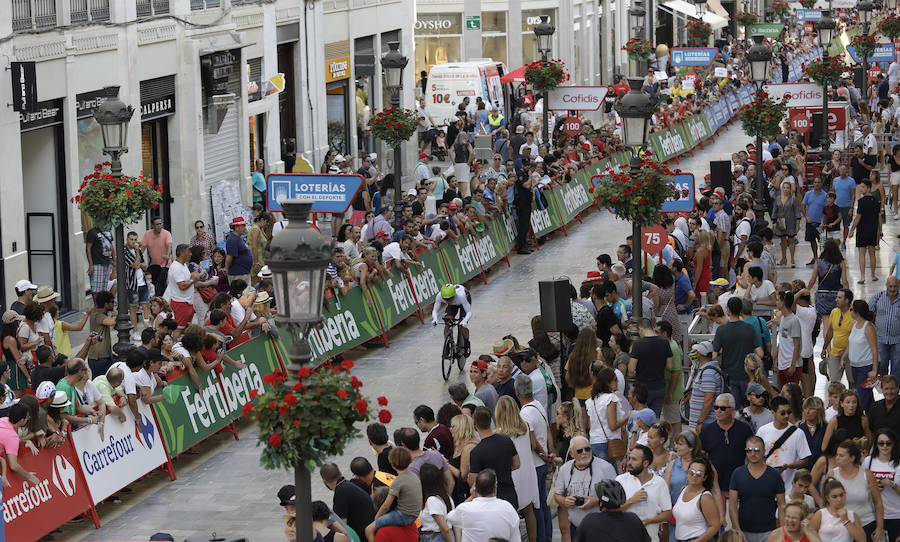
pixel 511 424
pixel 568 423
pixel 464 439
pixel 753 367
pixel 813 426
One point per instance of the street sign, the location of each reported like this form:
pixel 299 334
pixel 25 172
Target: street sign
pixel 654 239
pixel 473 22
pixel 808 14
pixel 572 126
pixel 884 52
pixel 801 120
pixel 801 94
pixel 693 56
pixel 685 204
pixel 329 193
pixel 577 98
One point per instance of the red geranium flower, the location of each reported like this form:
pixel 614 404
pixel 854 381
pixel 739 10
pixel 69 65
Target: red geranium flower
pixel 245 410
pixel 296 422
pixel 290 399
pixel 347 365
pixel 283 410
pixel 361 407
pixel 382 401
pixel 384 416
pixel 304 372
pixel 342 394
pixel 254 393
pixel 275 440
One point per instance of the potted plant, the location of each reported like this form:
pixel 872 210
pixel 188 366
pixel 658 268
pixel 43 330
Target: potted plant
pixel 698 32
pixel 864 45
pixel 544 76
pixel 638 49
pixel 889 25
pixel 637 197
pixel 825 71
pixel 781 9
pixel 111 201
pixel 746 18
pixel 394 125
pixel 762 116
pixel 316 418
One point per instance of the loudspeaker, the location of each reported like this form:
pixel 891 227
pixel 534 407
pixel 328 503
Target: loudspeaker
pixel 720 175
pixel 859 77
pixel 817 132
pixel 556 309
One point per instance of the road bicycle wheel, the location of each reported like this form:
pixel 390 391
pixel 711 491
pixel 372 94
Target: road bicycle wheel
pixel 460 358
pixel 447 355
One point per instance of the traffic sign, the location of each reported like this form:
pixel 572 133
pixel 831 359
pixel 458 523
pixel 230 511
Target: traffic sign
pixel 683 182
pixel 329 193
pixel 572 126
pixel 801 120
pixel 654 239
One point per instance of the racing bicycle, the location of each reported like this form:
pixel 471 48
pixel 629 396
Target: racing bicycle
pixel 453 349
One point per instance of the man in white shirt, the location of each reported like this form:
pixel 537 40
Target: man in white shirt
pixel 870 144
pixel 742 230
pixel 647 493
pixel 146 380
pixel 422 171
pixel 486 516
pixel 794 452
pixel 529 142
pixel 180 288
pixel 789 346
pixel 578 478
pixel 535 415
pixel 399 251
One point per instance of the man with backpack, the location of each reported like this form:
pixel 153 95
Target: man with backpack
pixel 709 382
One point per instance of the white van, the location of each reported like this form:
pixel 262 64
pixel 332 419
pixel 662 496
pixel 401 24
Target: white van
pixel 449 83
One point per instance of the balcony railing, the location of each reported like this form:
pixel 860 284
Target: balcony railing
pixel 147 8
pixel 203 4
pixel 86 11
pixel 33 14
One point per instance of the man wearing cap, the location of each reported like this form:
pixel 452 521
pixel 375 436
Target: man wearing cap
pixel 238 258
pixel 756 413
pixel 9 442
pixel 45 326
pixel 158 242
pixel 422 171
pixel 516 142
pixel 25 291
pixel 483 391
pixel 707 385
pixel 719 288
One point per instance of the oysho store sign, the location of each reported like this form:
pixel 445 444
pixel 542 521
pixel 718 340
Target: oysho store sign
pixel 438 23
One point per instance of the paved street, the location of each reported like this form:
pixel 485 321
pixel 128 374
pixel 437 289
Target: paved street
pixel 222 488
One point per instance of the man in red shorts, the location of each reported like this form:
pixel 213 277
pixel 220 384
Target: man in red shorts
pixel 181 288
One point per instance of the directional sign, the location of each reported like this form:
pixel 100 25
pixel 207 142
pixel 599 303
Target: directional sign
pixel 654 239
pixel 329 193
pixel 808 14
pixel 684 204
pixel 577 98
pixel 693 56
pixel 884 52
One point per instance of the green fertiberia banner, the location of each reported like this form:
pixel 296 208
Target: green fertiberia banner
pixel 489 245
pixel 696 129
pixel 461 259
pixel 573 197
pixel 393 298
pixel 349 321
pixel 769 30
pixel 427 282
pixel 668 143
pixel 544 221
pixel 196 415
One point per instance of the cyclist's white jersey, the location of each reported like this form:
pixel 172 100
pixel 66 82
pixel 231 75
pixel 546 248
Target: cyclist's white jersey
pixel 460 300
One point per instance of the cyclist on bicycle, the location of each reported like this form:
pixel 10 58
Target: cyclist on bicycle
pixel 457 299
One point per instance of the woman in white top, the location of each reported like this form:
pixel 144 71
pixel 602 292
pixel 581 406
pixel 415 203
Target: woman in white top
pixel 835 523
pixel 695 510
pixel 884 463
pixel 862 351
pixel 605 414
pixel 861 491
pixel 511 424
pixel 433 516
pixel 792 527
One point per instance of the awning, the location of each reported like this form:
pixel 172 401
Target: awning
pixel 515 76
pixel 715 21
pixel 717 8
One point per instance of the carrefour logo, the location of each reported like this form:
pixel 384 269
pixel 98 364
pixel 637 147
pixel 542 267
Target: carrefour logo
pixel 145 433
pixel 64 476
pixel 116 450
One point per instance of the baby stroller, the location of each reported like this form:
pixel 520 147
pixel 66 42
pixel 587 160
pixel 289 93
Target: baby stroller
pixel 439 153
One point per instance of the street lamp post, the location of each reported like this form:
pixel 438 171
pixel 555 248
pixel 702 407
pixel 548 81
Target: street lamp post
pixel 637 15
pixel 865 9
pixel 543 32
pixel 393 63
pixel 113 115
pixel 635 109
pixel 298 257
pixel 825 26
pixel 759 56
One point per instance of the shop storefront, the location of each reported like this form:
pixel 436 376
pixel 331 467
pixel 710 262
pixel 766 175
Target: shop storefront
pixel 530 19
pixel 157 106
pixel 493 35
pixel 338 95
pixel 364 71
pixel 438 38
pixel 45 198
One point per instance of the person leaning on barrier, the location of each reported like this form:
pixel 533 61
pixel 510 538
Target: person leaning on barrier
pixel 9 444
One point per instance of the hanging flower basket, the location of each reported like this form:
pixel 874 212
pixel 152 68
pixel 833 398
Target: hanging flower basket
pixel 746 18
pixel 826 71
pixel 111 201
pixel 698 32
pixel 781 9
pixel 762 116
pixel 890 26
pixel 546 76
pixel 638 49
pixel 311 420
pixel 637 198
pixel 808 4
pixel 394 125
pixel 864 45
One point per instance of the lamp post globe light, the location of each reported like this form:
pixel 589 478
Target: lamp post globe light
pixel 298 257
pixel 635 109
pixel 759 56
pixel 113 116
pixel 825 27
pixel 701 8
pixel 637 13
pixel 393 63
pixel 543 33
pixel 865 9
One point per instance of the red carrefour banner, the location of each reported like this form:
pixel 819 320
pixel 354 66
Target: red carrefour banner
pixel 32 511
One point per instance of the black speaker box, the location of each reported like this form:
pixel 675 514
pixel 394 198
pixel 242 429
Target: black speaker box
pixel 556 309
pixel 720 175
pixel 817 130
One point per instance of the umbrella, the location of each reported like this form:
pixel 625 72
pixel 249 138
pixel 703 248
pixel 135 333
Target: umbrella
pixel 515 76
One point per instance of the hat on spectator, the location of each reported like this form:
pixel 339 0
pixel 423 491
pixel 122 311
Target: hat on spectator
pixel 412 192
pixel 503 347
pixel 423 155
pixel 719 282
pixel 451 205
pixel 11 316
pixel 24 285
pixel 520 129
pixel 265 272
pixel 373 156
pixel 594 276
pixel 538 159
pixel 756 389
pixel 339 158
pixel 719 191
pixel 155 354
pixel 60 400
pixel 45 390
pixel 704 348
pixel 382 235
pixel 286 495
pixel 45 293
pixel 262 297
pixel 238 221
pixel 479 364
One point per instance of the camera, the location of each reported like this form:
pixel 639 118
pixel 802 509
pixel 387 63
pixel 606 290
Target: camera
pixel 579 501
pixel 98 335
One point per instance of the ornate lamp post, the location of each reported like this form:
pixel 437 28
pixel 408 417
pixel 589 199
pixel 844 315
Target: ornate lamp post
pixel 543 33
pixel 865 9
pixel 393 63
pixel 759 56
pixel 298 256
pixel 113 116
pixel 890 6
pixel 636 15
pixel 825 27
pixel 635 109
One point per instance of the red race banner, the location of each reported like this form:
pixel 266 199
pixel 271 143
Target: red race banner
pixel 32 511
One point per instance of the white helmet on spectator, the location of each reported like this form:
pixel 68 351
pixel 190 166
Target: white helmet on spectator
pixel 46 390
